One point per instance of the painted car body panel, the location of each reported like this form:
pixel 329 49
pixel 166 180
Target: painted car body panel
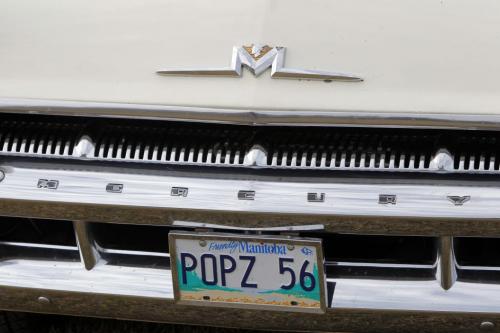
pixel 435 56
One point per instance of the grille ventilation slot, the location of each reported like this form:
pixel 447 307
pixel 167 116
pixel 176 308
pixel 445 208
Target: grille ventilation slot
pixel 37 138
pixel 378 149
pixel 22 238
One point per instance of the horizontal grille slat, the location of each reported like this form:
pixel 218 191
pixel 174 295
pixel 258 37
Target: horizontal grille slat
pixel 315 148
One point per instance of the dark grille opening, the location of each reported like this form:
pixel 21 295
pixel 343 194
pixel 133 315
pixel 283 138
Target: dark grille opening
pixel 131 237
pixel 381 272
pixel 23 238
pixel 132 245
pixel 380 257
pixel 407 250
pixel 478 259
pixel 38 231
pixel 472 251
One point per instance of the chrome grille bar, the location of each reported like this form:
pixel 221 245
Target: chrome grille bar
pixel 86 245
pixel 446 272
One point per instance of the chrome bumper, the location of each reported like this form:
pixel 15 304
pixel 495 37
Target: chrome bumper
pixel 150 283
pixel 146 294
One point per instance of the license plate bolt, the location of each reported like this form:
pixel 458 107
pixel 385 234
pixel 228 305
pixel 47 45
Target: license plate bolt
pixel 203 243
pixel 290 247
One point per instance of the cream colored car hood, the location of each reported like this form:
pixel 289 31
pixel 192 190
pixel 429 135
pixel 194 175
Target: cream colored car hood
pixel 414 55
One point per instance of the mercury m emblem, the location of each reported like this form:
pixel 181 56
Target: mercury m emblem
pixel 258 58
pixel 387 199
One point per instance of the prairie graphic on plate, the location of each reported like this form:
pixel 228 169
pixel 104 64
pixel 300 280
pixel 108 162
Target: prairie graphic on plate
pixel 248 271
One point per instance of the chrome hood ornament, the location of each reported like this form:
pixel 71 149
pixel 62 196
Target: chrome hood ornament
pixel 258 58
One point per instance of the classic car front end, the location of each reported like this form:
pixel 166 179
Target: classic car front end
pixel 277 165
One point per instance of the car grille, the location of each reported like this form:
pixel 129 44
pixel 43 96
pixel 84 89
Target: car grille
pixel 335 148
pixel 90 202
pixel 346 255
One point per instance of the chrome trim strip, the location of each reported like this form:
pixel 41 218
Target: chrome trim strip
pixel 378 265
pixel 469 121
pixel 342 198
pixel 295 228
pixel 75 248
pixel 349 207
pixel 40 246
pixel 479 268
pixel 133 253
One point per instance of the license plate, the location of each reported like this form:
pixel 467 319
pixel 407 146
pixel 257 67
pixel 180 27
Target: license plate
pixel 253 271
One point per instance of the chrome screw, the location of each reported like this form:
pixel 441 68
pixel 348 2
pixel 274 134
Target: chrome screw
pixel 43 300
pixel 487 326
pixel 290 247
pixel 203 243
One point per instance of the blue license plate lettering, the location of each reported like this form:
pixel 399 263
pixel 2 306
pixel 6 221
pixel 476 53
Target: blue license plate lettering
pixel 249 272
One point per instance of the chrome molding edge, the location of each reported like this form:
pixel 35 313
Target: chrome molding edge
pixel 468 121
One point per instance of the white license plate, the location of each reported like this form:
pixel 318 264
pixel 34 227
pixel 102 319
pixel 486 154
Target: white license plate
pixel 253 271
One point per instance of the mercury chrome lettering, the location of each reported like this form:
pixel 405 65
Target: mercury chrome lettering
pixel 48 184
